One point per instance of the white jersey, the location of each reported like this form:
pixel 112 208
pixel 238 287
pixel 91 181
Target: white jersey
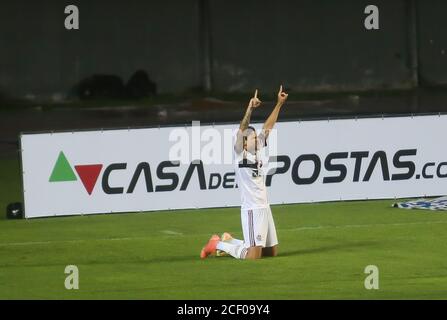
pixel 250 178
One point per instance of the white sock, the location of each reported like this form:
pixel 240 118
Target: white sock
pixel 236 242
pixel 237 251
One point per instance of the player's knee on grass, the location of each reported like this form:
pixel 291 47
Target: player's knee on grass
pixel 270 251
pixel 254 253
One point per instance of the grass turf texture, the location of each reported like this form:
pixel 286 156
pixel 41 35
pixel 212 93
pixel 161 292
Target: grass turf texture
pixel 323 252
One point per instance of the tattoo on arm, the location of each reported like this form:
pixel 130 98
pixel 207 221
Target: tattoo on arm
pixel 246 120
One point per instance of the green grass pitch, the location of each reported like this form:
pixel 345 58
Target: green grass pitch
pixel 324 249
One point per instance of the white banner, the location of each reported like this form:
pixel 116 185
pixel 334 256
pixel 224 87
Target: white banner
pixel 131 170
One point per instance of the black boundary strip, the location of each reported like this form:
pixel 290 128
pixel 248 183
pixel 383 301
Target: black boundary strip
pixel 227 309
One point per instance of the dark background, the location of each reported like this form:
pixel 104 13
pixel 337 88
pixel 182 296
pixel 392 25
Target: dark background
pixel 207 57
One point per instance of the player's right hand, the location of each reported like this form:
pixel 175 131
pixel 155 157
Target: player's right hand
pixel 255 102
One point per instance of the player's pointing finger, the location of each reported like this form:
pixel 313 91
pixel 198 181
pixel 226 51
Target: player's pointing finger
pixel 280 89
pixel 256 93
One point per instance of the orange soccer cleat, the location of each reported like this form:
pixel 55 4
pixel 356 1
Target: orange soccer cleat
pixel 210 247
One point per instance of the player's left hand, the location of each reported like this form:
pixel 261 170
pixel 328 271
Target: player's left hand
pixel 282 96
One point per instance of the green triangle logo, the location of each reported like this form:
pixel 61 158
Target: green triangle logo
pixel 62 170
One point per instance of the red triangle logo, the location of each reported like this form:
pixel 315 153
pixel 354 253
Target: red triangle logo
pixel 89 174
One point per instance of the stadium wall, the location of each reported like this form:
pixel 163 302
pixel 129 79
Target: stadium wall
pixel 308 45
pixel 40 58
pixel 432 42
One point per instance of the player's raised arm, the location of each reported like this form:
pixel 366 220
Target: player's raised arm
pixel 245 122
pixel 271 120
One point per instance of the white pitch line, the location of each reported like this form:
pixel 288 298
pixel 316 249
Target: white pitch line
pixel 366 225
pixel 67 241
pixel 170 232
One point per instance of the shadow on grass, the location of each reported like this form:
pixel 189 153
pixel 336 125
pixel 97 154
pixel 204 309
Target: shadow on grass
pixel 336 247
pixel 340 246
pixel 171 259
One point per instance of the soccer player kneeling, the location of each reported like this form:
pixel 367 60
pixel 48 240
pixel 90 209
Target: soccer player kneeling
pixel 257 221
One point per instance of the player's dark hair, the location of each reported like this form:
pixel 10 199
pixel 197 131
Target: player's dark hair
pixel 252 128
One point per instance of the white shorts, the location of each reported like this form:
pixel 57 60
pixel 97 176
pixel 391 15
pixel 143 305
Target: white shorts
pixel 258 228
